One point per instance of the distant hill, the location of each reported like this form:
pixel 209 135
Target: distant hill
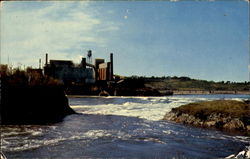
pixel 187 84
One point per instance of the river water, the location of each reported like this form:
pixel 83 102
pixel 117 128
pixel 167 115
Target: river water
pixel 122 127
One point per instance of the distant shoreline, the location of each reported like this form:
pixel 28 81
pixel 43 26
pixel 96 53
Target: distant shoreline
pixel 189 92
pixel 174 93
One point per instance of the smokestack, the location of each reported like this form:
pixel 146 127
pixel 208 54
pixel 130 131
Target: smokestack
pixel 83 62
pixel 111 69
pixel 46 59
pixel 39 63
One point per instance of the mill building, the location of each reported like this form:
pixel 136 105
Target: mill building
pixel 85 72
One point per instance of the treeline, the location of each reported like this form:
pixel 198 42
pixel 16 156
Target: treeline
pixel 27 77
pixel 187 83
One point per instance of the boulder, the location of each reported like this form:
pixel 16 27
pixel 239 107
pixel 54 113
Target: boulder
pixel 210 123
pixel 234 124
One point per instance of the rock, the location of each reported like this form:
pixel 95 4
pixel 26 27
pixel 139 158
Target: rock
pixel 170 116
pixel 234 124
pixel 183 118
pixel 104 93
pixel 210 123
pixel 214 120
pixel 248 127
pixel 247 101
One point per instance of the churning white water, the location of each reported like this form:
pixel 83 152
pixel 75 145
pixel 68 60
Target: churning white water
pixel 150 108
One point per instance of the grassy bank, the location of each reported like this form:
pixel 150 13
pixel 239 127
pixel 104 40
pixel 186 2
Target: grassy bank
pixel 221 114
pixel 231 108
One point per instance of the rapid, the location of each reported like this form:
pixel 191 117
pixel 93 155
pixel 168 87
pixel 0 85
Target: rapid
pixel 122 127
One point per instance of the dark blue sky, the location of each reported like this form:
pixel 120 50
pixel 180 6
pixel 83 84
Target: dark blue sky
pixel 203 40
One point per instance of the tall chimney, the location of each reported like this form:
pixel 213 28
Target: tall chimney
pixel 39 63
pixel 46 59
pixel 83 62
pixel 111 69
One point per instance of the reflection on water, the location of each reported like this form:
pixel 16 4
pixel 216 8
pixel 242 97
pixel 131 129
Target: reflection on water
pixel 120 127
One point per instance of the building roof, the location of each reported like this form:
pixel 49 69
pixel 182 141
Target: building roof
pixel 61 62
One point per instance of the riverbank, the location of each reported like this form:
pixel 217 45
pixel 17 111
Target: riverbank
pixel 189 92
pixel 31 99
pixel 33 105
pixel 221 114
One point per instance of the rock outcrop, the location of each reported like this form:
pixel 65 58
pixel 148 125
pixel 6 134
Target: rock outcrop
pixel 222 114
pixel 33 104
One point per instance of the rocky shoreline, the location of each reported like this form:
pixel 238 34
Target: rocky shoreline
pixel 214 114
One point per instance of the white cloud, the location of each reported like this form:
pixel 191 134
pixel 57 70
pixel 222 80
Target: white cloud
pixel 60 28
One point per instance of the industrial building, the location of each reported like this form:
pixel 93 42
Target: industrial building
pixel 85 72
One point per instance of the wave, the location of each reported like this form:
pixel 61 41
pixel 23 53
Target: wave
pixel 29 144
pixel 22 137
pixel 244 154
pixel 15 144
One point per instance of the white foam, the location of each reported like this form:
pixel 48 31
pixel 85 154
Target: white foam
pixel 96 134
pixel 150 108
pixel 36 133
pixel 15 144
pixel 154 109
pixel 150 139
pixel 244 154
pixel 23 132
pixel 22 137
pixel 21 145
